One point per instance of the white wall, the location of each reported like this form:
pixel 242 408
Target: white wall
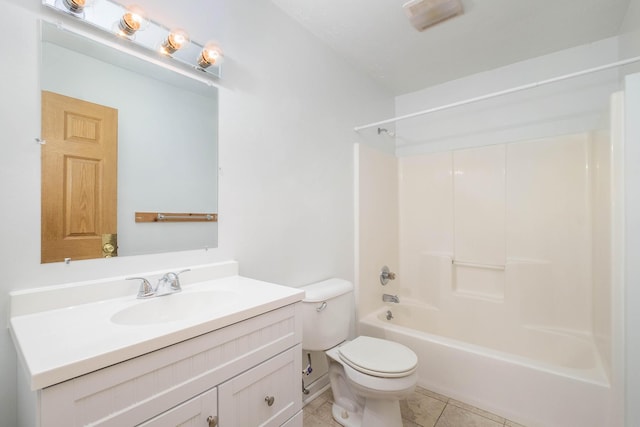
pixel 617 259
pixel 377 225
pixel 566 107
pixel 630 37
pixel 632 247
pixel 630 47
pixel 287 109
pixel 602 217
pixel 572 106
pixel 525 206
pixel 425 197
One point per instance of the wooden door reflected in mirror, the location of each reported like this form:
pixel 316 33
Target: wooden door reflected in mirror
pixel 79 178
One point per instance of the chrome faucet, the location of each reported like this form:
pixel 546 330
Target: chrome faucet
pixel 169 283
pixel 390 298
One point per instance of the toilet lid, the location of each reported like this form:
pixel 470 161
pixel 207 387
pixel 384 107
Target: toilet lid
pixel 377 357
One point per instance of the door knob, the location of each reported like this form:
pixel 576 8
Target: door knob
pixel 270 400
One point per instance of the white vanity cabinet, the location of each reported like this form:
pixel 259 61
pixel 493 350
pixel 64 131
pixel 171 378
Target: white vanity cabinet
pixel 242 375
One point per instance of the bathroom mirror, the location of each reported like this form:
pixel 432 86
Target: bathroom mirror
pixel 166 127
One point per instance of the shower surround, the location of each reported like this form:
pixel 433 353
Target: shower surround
pixel 507 248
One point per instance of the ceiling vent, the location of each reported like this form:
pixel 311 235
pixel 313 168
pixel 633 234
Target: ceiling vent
pixel 425 13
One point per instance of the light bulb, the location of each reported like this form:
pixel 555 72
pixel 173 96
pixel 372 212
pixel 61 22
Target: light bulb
pixel 132 20
pixel 210 55
pixel 177 39
pixel 74 7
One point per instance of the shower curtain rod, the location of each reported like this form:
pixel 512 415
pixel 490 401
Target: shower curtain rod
pixel 500 93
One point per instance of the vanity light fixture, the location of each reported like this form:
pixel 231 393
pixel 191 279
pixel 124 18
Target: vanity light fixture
pixel 190 57
pixel 176 40
pixel 132 21
pixel 211 54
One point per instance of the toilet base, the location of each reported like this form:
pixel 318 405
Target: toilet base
pixel 377 413
pixel 346 418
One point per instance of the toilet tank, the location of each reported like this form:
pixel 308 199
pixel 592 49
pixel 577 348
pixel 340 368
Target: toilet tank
pixel 327 310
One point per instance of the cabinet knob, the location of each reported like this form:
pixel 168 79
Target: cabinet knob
pixel 213 421
pixel 269 400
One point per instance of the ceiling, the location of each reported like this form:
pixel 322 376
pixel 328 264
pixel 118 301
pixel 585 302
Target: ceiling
pixel 375 35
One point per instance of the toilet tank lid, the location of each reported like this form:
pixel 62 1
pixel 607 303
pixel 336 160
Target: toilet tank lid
pixel 327 289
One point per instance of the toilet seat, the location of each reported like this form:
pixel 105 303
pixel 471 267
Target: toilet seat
pixel 377 357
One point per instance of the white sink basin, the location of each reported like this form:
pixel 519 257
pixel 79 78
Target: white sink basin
pixel 175 307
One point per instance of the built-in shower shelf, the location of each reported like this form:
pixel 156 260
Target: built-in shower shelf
pixel 478 280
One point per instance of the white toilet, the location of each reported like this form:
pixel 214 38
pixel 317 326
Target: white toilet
pixel 368 375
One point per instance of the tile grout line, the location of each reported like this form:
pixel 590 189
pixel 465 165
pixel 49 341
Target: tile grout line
pixel 504 423
pixel 441 412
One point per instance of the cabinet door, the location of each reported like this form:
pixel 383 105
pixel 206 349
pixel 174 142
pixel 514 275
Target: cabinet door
pixel 295 421
pixel 201 411
pixel 267 395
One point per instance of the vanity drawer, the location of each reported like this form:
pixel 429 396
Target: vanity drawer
pixel 138 389
pixel 198 411
pixel 267 395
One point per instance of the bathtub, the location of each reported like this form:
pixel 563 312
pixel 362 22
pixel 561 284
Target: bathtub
pixel 536 377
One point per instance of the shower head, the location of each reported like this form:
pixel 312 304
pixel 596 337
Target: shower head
pixel 386 131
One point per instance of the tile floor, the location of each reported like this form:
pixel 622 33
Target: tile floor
pixel 423 409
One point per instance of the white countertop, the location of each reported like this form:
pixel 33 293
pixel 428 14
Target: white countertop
pixel 59 344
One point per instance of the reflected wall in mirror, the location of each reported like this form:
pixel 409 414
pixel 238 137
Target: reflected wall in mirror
pixel 166 146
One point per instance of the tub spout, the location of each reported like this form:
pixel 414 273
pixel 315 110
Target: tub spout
pixel 390 298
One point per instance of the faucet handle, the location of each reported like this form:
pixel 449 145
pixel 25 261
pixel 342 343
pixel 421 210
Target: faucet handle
pixel 177 281
pixel 174 280
pixel 145 290
pixel 386 275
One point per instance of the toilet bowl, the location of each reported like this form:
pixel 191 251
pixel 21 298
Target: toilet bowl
pixel 368 376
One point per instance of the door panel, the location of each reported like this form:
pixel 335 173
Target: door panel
pixel 79 177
